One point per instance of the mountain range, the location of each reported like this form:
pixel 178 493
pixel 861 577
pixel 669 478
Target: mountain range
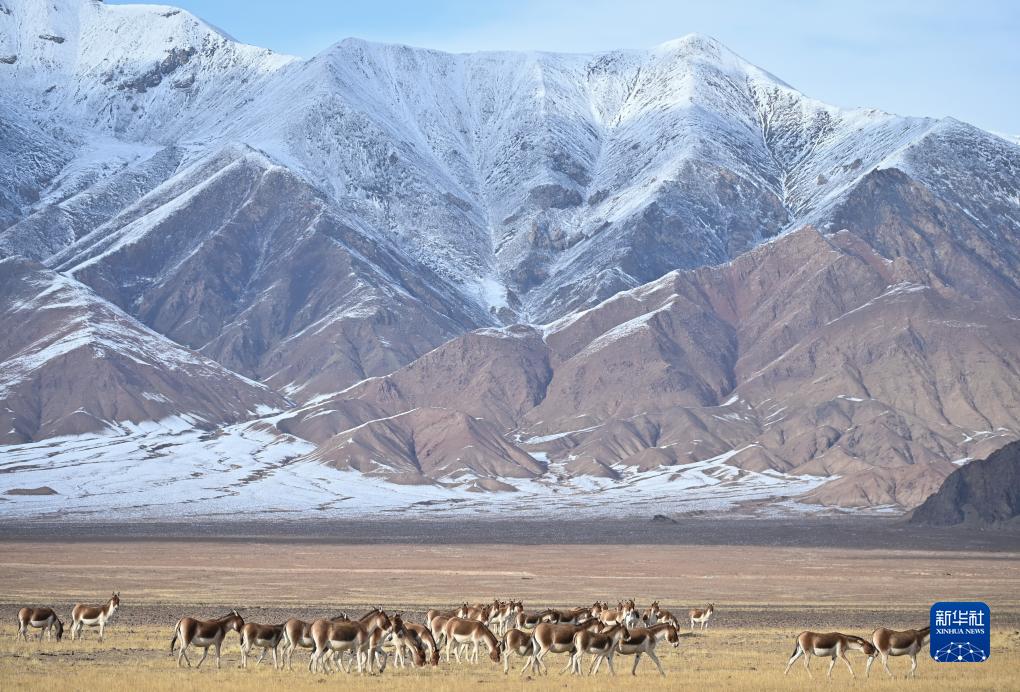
pixel 659 275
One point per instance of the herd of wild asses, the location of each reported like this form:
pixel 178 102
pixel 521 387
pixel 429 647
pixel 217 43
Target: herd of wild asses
pixel 504 628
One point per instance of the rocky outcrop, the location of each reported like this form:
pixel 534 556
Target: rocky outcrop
pixel 985 492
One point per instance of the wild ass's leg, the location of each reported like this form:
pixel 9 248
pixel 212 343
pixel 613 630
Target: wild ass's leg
pixel 797 653
pixel 183 654
pixel 885 662
pixel 842 654
pixel 651 655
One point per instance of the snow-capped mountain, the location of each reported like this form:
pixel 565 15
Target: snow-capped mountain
pixel 400 241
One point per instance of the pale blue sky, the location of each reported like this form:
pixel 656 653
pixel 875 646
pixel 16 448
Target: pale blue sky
pixel 926 57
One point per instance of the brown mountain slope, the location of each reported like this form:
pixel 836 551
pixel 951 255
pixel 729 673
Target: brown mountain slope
pixel 74 364
pixel 813 354
pixel 243 261
pixel 426 445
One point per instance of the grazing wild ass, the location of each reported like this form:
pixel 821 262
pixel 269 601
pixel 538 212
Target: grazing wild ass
pixel 265 637
pixel 203 634
pixel 404 638
pixel 458 632
pixel 83 616
pixel 425 635
pixel 831 644
pixel 43 619
pixel 642 641
pixel 898 643
pixel 702 616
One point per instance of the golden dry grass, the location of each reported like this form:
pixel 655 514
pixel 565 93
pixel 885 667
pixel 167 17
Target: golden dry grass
pixel 738 659
pixel 764 601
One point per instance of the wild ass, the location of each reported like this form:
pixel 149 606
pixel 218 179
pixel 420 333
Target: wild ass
pixel 601 645
pixel 425 639
pixel 832 644
pixel 898 643
pixel 43 619
pixel 203 634
pixel 331 637
pixel 556 638
pixel 299 633
pixel 458 632
pixel 702 616
pixel 379 627
pixel 517 642
pixel 572 615
pixel 336 637
pixel 265 637
pixel 83 616
pixel 529 621
pixel 655 614
pixel 642 641
pixel 617 615
pixel 503 616
pixel 405 638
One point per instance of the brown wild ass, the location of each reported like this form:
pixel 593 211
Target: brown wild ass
pixel 83 616
pixel 898 643
pixel 831 644
pixel 43 619
pixel 642 641
pixel 529 621
pixel 362 638
pixel 265 637
pixel 299 633
pixel 424 634
pixel 556 638
pixel 573 615
pixel 203 634
pixel 334 638
pixel 457 632
pixel 518 642
pixel 654 614
pixel 702 615
pixel 404 638
pixel 601 645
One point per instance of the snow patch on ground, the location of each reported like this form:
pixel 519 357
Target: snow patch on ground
pixel 172 470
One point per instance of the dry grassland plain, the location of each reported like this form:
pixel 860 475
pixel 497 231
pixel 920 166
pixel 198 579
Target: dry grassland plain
pixel 764 596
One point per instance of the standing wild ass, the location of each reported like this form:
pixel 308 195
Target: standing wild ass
pixel 83 616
